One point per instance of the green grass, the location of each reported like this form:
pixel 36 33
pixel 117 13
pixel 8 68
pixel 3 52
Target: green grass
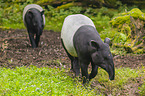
pixel 125 78
pixel 33 81
pixel 38 81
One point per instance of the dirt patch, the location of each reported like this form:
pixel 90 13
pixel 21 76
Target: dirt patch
pixel 132 61
pixel 16 51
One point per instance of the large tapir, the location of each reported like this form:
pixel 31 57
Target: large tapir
pixel 34 20
pixel 83 45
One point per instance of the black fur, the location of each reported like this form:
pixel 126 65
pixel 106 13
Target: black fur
pixel 34 23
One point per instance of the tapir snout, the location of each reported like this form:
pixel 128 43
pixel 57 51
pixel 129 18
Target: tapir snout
pixel 111 72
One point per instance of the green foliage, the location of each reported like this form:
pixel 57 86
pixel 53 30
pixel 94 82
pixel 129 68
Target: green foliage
pixel 12 15
pixel 101 22
pixel 39 81
pixel 56 17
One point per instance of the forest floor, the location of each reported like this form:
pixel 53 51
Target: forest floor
pixel 15 50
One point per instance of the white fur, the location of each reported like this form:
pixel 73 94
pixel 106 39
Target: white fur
pixel 71 24
pixel 33 6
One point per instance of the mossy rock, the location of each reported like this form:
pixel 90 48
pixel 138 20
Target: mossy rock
pixel 125 17
pixel 136 13
pixel 131 25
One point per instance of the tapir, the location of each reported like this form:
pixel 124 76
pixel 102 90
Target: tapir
pixel 34 20
pixel 83 46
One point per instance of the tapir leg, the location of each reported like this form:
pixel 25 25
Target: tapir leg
pixel 94 71
pixel 37 40
pixel 31 36
pixel 74 61
pixel 84 70
pixel 76 66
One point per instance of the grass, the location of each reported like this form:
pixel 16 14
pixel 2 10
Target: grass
pixel 125 80
pixel 31 81
pixel 38 81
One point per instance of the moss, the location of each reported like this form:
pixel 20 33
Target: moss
pixel 136 13
pixel 125 17
pixel 4 28
pixel 126 29
pixel 130 24
pixel 65 6
pixel 119 21
pixel 139 51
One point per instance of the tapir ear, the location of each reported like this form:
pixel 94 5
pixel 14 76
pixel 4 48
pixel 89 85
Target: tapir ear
pixel 42 12
pixel 94 44
pixel 107 40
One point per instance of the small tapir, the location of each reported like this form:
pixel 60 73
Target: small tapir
pixel 83 45
pixel 34 20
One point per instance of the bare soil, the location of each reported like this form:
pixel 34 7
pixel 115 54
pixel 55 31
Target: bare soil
pixel 15 50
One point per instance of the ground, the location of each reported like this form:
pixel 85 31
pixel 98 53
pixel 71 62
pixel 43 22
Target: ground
pixel 15 50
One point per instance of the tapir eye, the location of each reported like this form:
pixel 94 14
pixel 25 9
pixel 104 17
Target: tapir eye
pixel 107 57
